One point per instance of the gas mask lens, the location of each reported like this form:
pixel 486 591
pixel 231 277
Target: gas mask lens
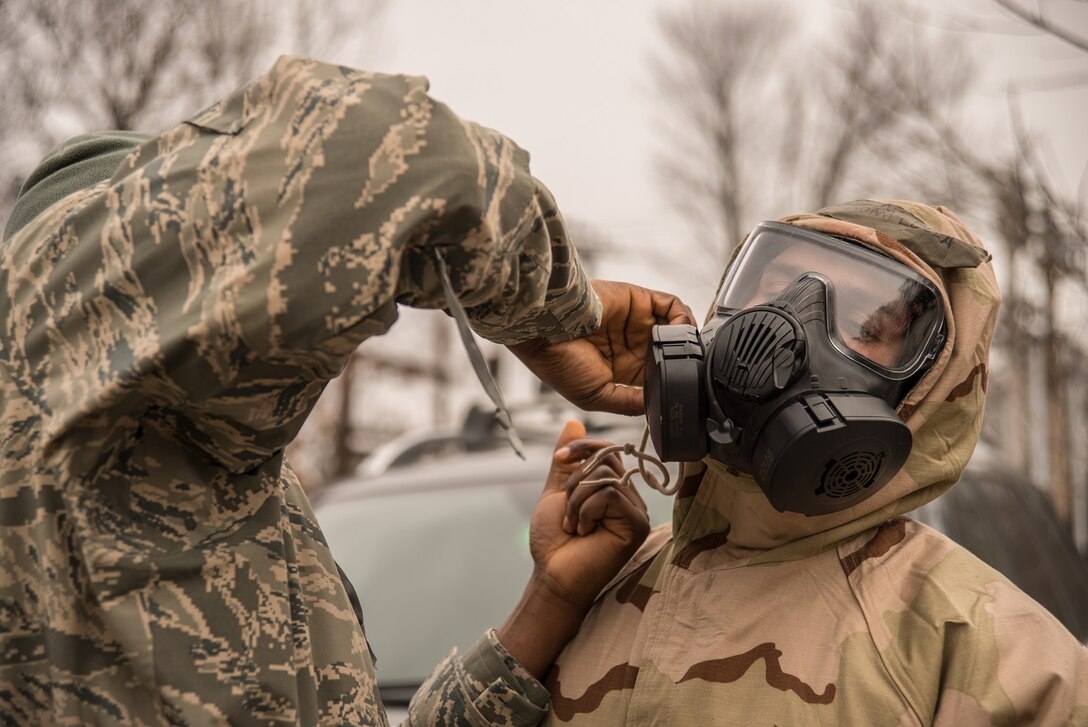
pixel 881 312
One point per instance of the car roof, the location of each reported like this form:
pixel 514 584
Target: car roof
pixel 466 468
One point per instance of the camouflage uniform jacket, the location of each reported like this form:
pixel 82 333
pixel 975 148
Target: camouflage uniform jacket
pixel 740 615
pixel 166 332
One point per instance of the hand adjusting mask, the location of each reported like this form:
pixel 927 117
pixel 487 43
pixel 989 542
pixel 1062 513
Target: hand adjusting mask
pixel 813 342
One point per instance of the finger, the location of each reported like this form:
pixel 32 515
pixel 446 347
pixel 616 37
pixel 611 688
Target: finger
pixel 631 493
pixel 611 467
pixel 615 462
pixel 579 450
pixel 569 456
pixel 669 308
pixel 617 399
pixel 594 508
pixel 609 508
pixel 578 494
pixel 560 468
pixel 582 487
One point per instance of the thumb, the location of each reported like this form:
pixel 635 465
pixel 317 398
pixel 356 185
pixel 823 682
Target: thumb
pixel 671 309
pixel 619 399
pixel 573 430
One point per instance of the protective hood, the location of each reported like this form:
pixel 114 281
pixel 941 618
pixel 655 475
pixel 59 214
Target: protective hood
pixel 81 162
pixel 719 508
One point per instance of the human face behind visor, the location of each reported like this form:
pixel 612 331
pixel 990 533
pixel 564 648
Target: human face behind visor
pixel 882 314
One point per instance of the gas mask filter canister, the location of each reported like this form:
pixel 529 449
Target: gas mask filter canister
pixel 813 342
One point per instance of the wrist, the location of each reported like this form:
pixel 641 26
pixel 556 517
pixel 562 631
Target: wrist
pixel 548 593
pixel 528 348
pixel 541 624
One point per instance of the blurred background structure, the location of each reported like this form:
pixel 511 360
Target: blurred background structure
pixel 666 131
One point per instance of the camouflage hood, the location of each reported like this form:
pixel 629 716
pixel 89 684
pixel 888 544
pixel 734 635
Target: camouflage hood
pixel 77 164
pixel 716 508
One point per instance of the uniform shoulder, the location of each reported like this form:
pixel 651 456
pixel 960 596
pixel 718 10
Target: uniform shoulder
pixel 942 619
pixel 924 565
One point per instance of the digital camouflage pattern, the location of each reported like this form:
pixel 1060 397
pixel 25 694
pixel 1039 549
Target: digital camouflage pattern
pixel 166 332
pixel 741 615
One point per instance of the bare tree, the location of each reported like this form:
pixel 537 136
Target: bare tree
pixel 1046 235
pixel 713 85
pixel 884 84
pixel 766 123
pixel 1040 20
pixel 73 66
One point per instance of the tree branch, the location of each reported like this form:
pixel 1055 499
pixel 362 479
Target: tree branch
pixel 1043 24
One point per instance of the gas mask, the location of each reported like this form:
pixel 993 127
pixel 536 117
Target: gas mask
pixel 813 342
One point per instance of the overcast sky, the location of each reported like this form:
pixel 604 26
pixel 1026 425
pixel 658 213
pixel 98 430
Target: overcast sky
pixel 568 80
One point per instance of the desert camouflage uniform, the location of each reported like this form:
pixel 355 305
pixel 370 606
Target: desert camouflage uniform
pixel 165 334
pixel 741 615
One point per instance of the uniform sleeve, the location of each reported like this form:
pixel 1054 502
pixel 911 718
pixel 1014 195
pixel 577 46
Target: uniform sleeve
pixel 330 191
pixel 343 182
pixel 231 265
pixel 486 686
